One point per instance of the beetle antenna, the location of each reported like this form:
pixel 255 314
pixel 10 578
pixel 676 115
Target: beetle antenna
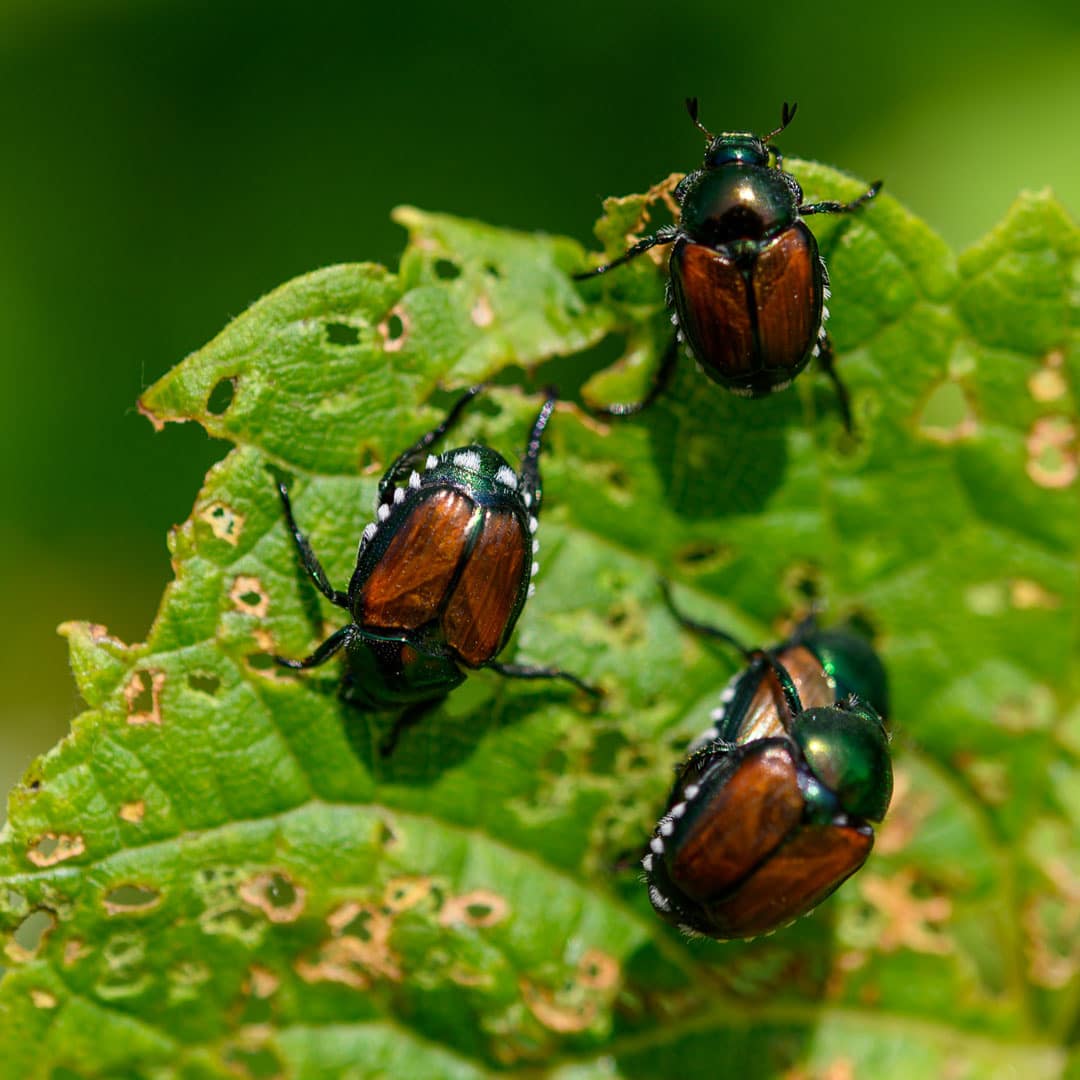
pixel 787 114
pixel 703 628
pixel 692 109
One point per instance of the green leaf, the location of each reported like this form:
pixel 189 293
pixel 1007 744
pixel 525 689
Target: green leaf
pixel 216 875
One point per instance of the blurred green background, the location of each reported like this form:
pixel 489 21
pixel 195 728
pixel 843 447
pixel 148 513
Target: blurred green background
pixel 167 163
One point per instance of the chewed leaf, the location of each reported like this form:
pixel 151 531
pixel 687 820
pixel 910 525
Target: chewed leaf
pixel 217 875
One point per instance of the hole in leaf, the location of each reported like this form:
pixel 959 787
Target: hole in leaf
pixel 478 908
pixel 369 461
pixel 598 970
pixel 275 895
pixel 143 696
pixel 404 893
pixel 280 891
pixel 947 415
pixel 221 397
pixel 394 329
pixel 223 522
pixel 204 681
pixel 34 785
pixel 618 479
pixel 446 270
pixel 359 925
pixel 129 899
pixel 53 848
pixel 385 835
pixel 616 616
pixel 142 700
pixel 338 333
pixel 249 597
pixel 492 269
pixel 698 554
pixel 802 583
pixel 1052 452
pixel 32 931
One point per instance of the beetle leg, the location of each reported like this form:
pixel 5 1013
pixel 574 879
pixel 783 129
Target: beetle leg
pixel 333 644
pixel 406 460
pixel 537 671
pixel 530 463
pixel 826 360
pixel 664 235
pixel 661 380
pixel 832 207
pixel 308 557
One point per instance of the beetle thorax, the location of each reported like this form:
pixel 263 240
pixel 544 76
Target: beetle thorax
pixel 733 203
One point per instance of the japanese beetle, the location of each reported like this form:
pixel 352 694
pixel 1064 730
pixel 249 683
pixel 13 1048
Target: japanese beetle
pixel 771 812
pixel 746 283
pixel 441 575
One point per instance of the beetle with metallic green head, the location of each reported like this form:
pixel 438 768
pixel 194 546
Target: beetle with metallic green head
pixel 772 810
pixel 441 576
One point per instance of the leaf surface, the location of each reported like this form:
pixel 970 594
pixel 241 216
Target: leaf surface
pixel 217 875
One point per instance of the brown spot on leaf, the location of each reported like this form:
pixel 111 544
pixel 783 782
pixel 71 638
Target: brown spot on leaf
pixel 157 421
pixel 143 696
pixel 482 313
pixel 1052 927
pixel 1048 383
pixel 909 919
pixel 43 999
pixel 481 907
pixel 662 191
pixel 133 812
pixel 261 982
pixel 52 848
pixel 358 952
pixel 598 970
pixel 249 597
pixel 405 892
pixel 464 976
pixel 224 523
pixel 840 1069
pixel 275 895
pixel 74 950
pixel 131 899
pixel 947 415
pixel 1052 452
pixel 99 633
pixel 908 810
pixel 1031 710
pixel 1027 594
pixel 565 1012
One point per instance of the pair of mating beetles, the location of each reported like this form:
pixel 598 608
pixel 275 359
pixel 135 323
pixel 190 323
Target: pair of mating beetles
pixel 771 811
